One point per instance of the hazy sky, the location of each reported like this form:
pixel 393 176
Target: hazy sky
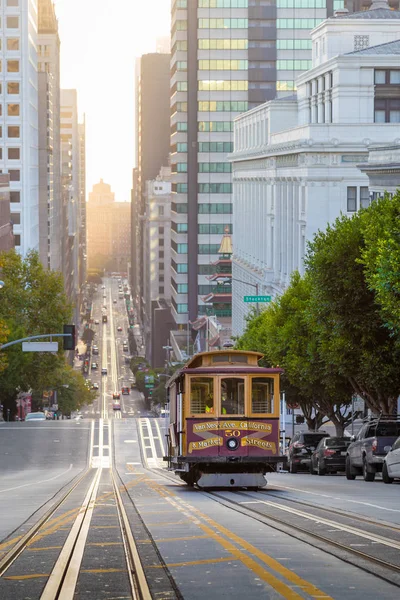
pixel 100 40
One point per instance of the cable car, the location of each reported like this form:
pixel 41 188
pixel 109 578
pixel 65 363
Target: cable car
pixel 224 420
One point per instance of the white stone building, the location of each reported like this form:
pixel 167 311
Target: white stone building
pixel 295 159
pixel 19 128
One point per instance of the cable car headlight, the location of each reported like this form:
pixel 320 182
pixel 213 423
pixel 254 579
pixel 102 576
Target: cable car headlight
pixel 233 444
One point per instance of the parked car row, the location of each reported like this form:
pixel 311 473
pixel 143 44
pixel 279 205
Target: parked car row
pixel 375 449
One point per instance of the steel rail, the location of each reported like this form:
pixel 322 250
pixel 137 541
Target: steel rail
pixel 19 547
pixel 290 528
pixel 63 578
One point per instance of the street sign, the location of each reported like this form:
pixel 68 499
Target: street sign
pixel 257 298
pixel 39 346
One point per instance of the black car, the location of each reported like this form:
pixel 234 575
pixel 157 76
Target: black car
pixel 301 447
pixel 329 456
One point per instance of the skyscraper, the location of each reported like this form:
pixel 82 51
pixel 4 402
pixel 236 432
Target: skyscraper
pixel 228 56
pixel 152 144
pixel 50 201
pixel 19 140
pixel 82 203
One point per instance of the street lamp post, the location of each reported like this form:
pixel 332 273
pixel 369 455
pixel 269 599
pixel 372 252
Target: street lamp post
pixel 253 285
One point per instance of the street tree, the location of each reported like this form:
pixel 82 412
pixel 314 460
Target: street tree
pixel 381 256
pixel 33 302
pixel 348 325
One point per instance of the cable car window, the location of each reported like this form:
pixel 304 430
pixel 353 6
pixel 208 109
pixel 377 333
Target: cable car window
pixel 220 358
pixel 201 395
pixel 232 396
pixel 262 395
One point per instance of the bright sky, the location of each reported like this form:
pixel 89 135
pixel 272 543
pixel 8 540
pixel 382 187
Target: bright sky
pixel 100 40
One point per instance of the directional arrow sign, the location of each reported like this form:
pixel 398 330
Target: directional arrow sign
pixel 257 298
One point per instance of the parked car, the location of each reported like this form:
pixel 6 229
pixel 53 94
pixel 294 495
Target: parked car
pixel 94 366
pixel 329 456
pixel 301 447
pixel 95 386
pixel 104 371
pixel 366 454
pixel 125 347
pixel 96 321
pixel 391 463
pixel 125 390
pixel 95 350
pixel 35 416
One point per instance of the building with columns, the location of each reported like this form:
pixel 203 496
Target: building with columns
pixel 295 159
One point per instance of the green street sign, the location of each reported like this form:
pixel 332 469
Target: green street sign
pixel 257 298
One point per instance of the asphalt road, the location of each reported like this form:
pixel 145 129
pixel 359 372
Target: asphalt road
pixel 36 461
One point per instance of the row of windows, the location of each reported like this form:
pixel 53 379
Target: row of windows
pixel 387 77
pixel 294 44
pixel 12 44
pixel 215 167
pixel 223 24
pixel 293 65
pixel 222 106
pixel 180 25
pixel 179 308
pixel 206 167
pixel 208 248
pixel 179 267
pixel 204 208
pixel 12 153
pixel 223 65
pixel 221 85
pixel 216 44
pixel 206 126
pixel 364 198
pixel 215 126
pixel 181 65
pixel 215 146
pixel 215 188
pixel 223 3
pixel 181 147
pixel 12 66
pixel 387 110
pixel 285 86
pixel 182 86
pixel 204 188
pixel 205 228
pixel 13 131
pixel 301 3
pixel 179 248
pixel 12 110
pixel 297 23
pixel 180 45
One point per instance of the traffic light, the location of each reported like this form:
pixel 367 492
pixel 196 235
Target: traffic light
pixel 69 341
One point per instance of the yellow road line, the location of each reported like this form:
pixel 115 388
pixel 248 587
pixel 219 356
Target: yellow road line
pixel 176 539
pixel 289 575
pixel 103 571
pixel 169 523
pixel 23 577
pixel 44 549
pixel 105 544
pixel 206 561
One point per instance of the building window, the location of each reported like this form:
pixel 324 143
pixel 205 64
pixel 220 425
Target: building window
pixel 215 208
pixel 223 24
pixel 294 44
pixel 226 44
pixel 297 23
pixel 13 131
pixel 293 65
pixel 12 44
pixel 222 65
pixel 161 268
pixel 207 269
pixel 223 85
pixel 161 230
pixel 179 267
pixel 161 242
pixel 222 106
pixel 179 188
pixel 12 22
pixel 179 207
pixel 13 66
pixel 214 228
pixel 160 211
pixel 15 197
pixel 12 87
pixel 161 290
pixel 387 110
pixel 181 227
pixel 181 65
pixel 13 153
pixel 223 3
pixel 161 254
pixel 181 147
pixel 351 199
pixel 182 86
pixel 161 278
pixel 17 239
pixel 215 167
pixel 182 288
pixel 181 308
pixel 364 197
pixel 285 86
pixel 13 110
pixel 220 126
pixel 15 174
pixel 216 147
pixel 12 2
pixel 215 188
pixel 16 218
pixel 179 248
pixel 208 248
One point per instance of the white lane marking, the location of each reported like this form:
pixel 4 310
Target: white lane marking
pixel 160 437
pixel 18 487
pixel 347 528
pixel 133 463
pixel 286 487
pixel 130 441
pixel 91 443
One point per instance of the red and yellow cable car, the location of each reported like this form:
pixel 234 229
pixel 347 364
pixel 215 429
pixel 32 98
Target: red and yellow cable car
pixel 224 420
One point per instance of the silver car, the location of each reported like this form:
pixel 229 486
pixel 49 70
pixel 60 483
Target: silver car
pixel 391 464
pixel 35 416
